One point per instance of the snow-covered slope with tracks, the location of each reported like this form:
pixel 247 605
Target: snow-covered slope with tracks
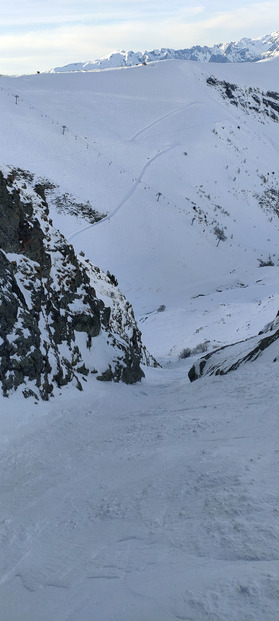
pixel 160 500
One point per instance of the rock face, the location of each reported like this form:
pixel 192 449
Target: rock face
pixel 251 100
pixel 231 357
pixel 60 317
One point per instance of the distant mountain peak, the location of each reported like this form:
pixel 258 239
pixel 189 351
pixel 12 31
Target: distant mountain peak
pixel 244 50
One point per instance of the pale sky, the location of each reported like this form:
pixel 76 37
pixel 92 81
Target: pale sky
pixel 41 34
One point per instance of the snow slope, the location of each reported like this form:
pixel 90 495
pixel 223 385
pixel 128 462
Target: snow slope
pixel 157 501
pixel 169 162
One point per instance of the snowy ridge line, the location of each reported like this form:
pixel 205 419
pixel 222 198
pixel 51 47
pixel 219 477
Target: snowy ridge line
pixel 244 50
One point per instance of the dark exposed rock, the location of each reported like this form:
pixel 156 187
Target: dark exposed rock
pixel 230 357
pixel 248 99
pixel 50 312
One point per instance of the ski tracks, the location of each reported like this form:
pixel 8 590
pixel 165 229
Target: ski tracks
pixel 127 196
pixel 161 118
pixel 140 176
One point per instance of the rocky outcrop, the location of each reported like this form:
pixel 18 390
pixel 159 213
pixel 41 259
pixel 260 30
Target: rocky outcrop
pixel 54 326
pixel 229 358
pixel 251 100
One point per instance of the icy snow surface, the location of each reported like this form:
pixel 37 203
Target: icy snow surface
pixel 158 501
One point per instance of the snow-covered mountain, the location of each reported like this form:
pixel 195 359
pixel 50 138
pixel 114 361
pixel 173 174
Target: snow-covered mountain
pixel 245 50
pixel 156 500
pixel 139 161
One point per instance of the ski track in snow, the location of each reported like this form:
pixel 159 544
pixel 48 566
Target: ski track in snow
pixel 126 197
pixel 159 501
pixel 161 118
pixel 88 142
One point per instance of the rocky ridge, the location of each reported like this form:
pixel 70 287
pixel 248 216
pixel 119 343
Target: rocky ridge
pixel 61 318
pixel 230 357
pixel 248 99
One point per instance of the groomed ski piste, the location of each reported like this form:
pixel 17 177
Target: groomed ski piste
pixel 157 501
